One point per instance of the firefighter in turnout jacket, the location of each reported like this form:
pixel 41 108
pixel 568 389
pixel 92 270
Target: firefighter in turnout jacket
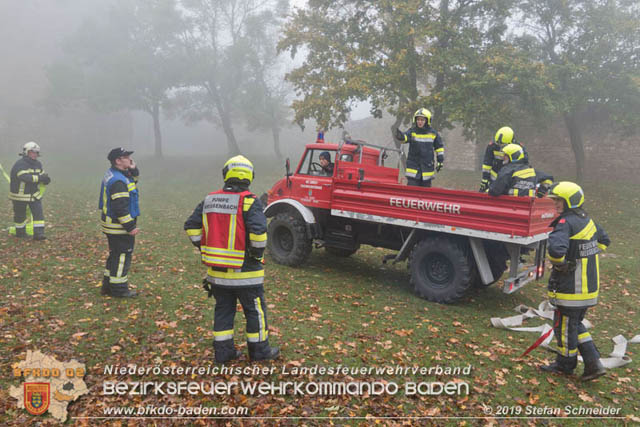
pixel 423 140
pixel 493 156
pixel 516 177
pixel 119 211
pixel 574 245
pixel 27 177
pixel 230 229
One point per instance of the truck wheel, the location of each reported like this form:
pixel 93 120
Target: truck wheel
pixel 440 270
pixel 288 242
pixel 340 252
pixel 497 255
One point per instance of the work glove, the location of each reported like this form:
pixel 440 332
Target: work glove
pixel 484 186
pixel 207 287
pixel 439 166
pixel 44 178
pixel 399 134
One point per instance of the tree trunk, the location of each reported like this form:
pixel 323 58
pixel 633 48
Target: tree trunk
pixel 232 144
pixel 575 135
pixel 275 131
pixel 225 120
pixel 156 130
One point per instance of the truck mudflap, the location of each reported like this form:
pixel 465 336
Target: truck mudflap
pixel 520 275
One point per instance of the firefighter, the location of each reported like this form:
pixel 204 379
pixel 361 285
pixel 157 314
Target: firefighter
pixel 493 156
pixel 516 177
pixel 574 245
pixel 230 229
pixel 27 176
pixel 423 141
pixel 119 212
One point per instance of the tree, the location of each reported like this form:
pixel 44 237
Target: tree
pixel 398 55
pixel 129 61
pixel 591 52
pixel 266 97
pixel 221 54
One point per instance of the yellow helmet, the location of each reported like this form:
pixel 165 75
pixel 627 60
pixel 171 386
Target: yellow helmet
pixel 423 112
pixel 513 152
pixel 504 136
pixel 238 167
pixel 570 192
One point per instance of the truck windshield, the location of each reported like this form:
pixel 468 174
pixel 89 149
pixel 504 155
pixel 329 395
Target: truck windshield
pixel 318 163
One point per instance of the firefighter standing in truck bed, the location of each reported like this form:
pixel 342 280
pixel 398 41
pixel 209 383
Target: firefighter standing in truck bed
pixel 423 140
pixel 516 177
pixel 230 229
pixel 493 156
pixel 574 245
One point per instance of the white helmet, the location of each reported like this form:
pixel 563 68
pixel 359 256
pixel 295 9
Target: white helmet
pixel 30 146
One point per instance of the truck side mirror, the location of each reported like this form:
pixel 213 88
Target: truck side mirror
pixel 287 167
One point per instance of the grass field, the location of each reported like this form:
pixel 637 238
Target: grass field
pixel 352 312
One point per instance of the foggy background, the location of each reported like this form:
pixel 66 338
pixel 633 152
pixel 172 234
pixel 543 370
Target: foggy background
pixel 84 76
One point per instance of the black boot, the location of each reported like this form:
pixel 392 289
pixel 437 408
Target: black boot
pixel 592 366
pixel 104 290
pixel 562 365
pixel 21 233
pixel 126 294
pixel 262 351
pixel 120 290
pixel 225 351
pixel 38 233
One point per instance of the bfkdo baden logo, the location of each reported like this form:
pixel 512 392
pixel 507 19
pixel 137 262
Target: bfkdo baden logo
pixel 48 384
pixel 37 397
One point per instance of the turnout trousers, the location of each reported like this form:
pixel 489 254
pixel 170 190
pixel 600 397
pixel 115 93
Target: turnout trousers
pixel 115 280
pixel 416 182
pixel 20 217
pixel 253 306
pixel 572 336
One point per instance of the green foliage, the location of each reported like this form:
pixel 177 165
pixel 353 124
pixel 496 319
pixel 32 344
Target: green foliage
pixel 589 49
pixel 400 55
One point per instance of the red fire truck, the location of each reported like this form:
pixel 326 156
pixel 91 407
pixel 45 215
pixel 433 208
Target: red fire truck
pixel 453 239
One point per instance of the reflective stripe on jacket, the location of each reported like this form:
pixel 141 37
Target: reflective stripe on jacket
pixel 118 217
pixel 423 142
pixel 515 179
pixel 25 177
pixel 231 230
pixel 574 244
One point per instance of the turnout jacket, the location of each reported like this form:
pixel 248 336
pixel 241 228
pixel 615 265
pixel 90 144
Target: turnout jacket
pixel 119 201
pixel 492 161
pixel 25 180
pixel 515 179
pixel 230 229
pixel 573 246
pixel 422 144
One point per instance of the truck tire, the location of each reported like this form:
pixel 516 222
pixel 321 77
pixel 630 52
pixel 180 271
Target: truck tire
pixel 497 255
pixel 341 252
pixel 287 240
pixel 440 269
